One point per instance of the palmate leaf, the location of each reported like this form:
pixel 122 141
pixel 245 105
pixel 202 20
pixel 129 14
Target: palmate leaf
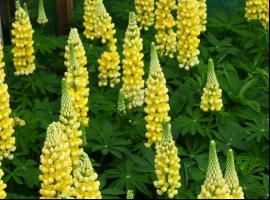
pixel 192 123
pixel 127 177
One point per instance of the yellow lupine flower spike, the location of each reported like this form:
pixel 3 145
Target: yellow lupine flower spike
pixel 130 194
pixel 167 164
pixel 214 186
pixel 121 105
pixel 203 14
pixel 110 60
pixel 156 99
pixel 2 186
pixel 231 178
pixel 22 39
pixel 7 139
pixel 42 18
pixel 188 31
pixel 89 18
pixel 56 165
pixel 77 76
pixel 258 10
pixel 145 13
pixel 164 24
pixel 85 179
pixel 133 72
pixel 212 94
pixel 69 119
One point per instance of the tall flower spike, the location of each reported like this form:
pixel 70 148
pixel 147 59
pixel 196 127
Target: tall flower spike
pixel 145 13
pixel 7 139
pixel 167 164
pixel 55 164
pixel 121 106
pixel 109 61
pixel 85 179
pixel 203 14
pixel 133 82
pixel 258 10
pixel 89 18
pixel 71 125
pixel 2 186
pixel 156 99
pixel 188 31
pixel 212 94
pixel 214 186
pixel 22 39
pixel 231 178
pixel 42 18
pixel 77 76
pixel 164 24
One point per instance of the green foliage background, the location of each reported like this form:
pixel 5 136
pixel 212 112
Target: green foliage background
pixel 115 143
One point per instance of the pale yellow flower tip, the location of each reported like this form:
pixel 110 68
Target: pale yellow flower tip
pixel 231 178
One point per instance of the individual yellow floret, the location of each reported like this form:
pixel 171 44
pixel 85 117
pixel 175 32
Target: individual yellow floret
pixel 89 18
pixel 22 39
pixel 145 13
pixel 212 94
pixel 2 186
pixel 85 179
pixel 164 24
pixel 156 99
pixel 71 125
pixel 109 61
pixel 188 31
pixel 258 10
pixel 56 165
pixel 231 178
pixel 214 186
pixel 167 164
pixel 130 194
pixel 203 14
pixel 133 72
pixel 42 18
pixel 7 139
pixel 18 121
pixel 77 76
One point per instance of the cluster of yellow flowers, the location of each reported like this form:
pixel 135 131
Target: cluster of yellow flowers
pixel 130 194
pixel 110 59
pixel 89 18
pixel 77 76
pixel 133 72
pixel 231 178
pixel 70 123
pixel 2 186
pixel 188 31
pixel 56 164
pixel 7 140
pixel 212 94
pixel 214 186
pixel 167 164
pixel 42 18
pixel 164 24
pixel 145 13
pixel 22 39
pixel 258 10
pixel 157 100
pixel 203 14
pixel 85 179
